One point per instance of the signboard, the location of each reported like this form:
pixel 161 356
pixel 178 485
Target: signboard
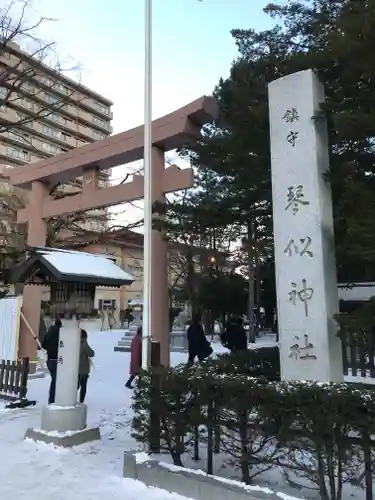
pixel 10 318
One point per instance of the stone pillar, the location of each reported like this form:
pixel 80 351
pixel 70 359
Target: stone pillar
pixel 32 295
pixel 307 296
pixel 68 363
pixel 66 414
pixel 159 280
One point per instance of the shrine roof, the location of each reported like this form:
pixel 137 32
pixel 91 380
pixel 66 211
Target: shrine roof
pixel 136 302
pixel 45 265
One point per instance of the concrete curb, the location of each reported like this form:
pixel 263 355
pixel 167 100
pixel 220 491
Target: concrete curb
pixel 187 483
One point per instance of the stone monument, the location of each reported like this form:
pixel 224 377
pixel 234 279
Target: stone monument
pixel 306 281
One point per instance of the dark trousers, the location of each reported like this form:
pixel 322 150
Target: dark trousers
pixel 82 386
pixel 130 381
pixel 193 355
pixel 52 367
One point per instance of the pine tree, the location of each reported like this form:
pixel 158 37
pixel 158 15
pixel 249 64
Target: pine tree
pixel 336 39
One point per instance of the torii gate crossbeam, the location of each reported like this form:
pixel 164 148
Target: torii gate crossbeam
pixel 169 132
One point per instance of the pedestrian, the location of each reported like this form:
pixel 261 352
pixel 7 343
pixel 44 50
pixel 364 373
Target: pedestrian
pixel 85 355
pixel 135 357
pixel 198 345
pixel 51 345
pixel 42 329
pixel 234 337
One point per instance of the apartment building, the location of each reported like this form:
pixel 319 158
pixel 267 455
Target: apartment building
pixel 43 113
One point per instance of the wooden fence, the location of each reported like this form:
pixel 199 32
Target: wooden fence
pixel 13 379
pixel 359 359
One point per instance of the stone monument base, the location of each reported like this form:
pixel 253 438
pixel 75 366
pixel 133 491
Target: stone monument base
pixel 64 418
pixel 64 426
pixel 67 439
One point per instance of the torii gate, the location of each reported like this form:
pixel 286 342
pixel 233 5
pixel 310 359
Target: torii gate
pixel 169 132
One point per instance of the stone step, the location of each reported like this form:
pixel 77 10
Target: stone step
pixel 119 348
pixel 125 342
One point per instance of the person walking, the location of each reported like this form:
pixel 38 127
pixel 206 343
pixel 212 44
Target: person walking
pixel 198 345
pixel 135 357
pixel 234 337
pixel 51 345
pixel 85 355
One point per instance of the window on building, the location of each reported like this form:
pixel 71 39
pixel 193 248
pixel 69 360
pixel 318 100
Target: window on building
pixel 52 132
pixel 103 108
pixel 24 118
pixel 99 122
pixel 50 148
pixel 98 135
pixel 19 136
pixel 60 88
pixel 57 118
pixel 51 98
pixel 107 305
pixel 48 81
pixel 27 104
pixel 30 87
pixel 18 153
pixel 135 268
pixel 102 182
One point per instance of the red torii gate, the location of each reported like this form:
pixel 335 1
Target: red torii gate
pixel 169 132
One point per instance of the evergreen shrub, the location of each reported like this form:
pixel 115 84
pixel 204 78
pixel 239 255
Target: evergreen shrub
pixel 311 431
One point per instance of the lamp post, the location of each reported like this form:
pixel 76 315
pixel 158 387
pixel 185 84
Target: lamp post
pixel 146 322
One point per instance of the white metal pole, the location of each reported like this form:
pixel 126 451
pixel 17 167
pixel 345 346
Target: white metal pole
pixel 146 323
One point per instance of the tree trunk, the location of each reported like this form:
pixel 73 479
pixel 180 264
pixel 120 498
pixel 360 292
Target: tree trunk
pixel 251 274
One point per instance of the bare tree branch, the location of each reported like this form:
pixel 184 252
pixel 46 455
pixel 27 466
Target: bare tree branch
pixel 24 82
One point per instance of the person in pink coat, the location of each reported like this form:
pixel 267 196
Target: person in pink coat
pixel 135 357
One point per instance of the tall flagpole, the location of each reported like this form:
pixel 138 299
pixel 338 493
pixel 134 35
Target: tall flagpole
pixel 146 323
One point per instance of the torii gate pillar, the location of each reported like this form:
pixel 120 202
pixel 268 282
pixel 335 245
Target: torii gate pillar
pixel 32 295
pixel 159 266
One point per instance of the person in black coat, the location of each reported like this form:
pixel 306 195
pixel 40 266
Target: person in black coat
pixel 51 345
pixel 198 345
pixel 234 338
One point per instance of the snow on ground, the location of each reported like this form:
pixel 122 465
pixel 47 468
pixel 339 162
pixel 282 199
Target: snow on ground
pixel 31 471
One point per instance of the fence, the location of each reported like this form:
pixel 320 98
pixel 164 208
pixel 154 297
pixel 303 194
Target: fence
pixel 13 379
pixel 359 359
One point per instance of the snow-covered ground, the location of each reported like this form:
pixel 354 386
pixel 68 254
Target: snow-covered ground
pixel 31 471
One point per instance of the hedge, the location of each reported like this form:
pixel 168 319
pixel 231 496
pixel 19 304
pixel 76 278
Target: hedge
pixel 314 431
